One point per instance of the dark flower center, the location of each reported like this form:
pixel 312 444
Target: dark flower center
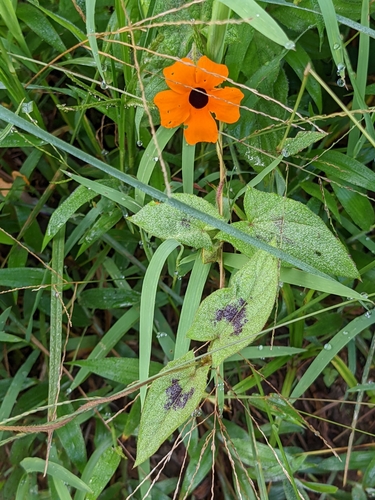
pixel 198 98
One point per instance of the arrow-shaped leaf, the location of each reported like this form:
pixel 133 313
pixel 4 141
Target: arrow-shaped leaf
pixel 169 403
pixel 231 317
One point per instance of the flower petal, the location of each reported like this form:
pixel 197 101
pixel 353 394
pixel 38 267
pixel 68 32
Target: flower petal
pixel 201 127
pixel 225 104
pixel 174 108
pixel 180 77
pixel 208 78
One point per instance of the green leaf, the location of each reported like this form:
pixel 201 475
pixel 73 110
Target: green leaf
pixel 270 458
pixel 108 298
pixel 296 230
pixel 118 197
pixel 331 349
pixel 263 68
pixel 63 213
pixel 105 222
pixel 278 406
pixel 232 317
pixel 67 25
pixel 301 141
pixel 323 195
pixel 103 471
pixel 122 370
pixel 258 18
pixel 71 438
pixel 319 487
pixel 19 140
pixel 357 206
pixel 7 337
pixel 169 402
pixel 200 463
pixel 39 23
pixel 19 277
pixel 298 59
pixel 55 470
pixel 342 167
pixel 369 476
pixel 300 18
pixel 265 352
pixel 164 221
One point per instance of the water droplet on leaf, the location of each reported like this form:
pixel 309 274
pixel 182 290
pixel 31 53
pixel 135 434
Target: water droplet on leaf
pixel 289 45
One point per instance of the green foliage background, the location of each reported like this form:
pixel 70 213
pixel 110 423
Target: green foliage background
pixel 100 291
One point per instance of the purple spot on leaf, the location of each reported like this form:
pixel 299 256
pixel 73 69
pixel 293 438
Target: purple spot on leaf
pixel 234 314
pixel 176 398
pixel 185 223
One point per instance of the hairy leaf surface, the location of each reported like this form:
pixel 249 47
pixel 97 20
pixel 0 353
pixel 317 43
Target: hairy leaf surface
pixel 295 229
pixel 233 316
pixel 170 401
pixel 164 221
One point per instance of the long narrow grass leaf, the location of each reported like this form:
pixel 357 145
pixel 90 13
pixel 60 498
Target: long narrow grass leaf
pixel 55 345
pixel 333 347
pixel 148 299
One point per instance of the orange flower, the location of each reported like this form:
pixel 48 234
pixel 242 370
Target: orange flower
pixel 193 98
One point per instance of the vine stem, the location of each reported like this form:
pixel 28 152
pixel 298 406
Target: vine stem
pixel 219 198
pixel 219 202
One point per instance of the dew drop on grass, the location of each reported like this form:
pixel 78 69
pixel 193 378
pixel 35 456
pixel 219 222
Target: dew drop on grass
pixel 345 332
pixel 336 46
pixel 196 413
pixel 139 144
pixel 340 82
pixel 368 314
pixel 155 158
pixel 364 295
pixel 260 348
pixel 340 68
pixel 327 347
pixel 160 335
pixel 103 85
pixel 289 45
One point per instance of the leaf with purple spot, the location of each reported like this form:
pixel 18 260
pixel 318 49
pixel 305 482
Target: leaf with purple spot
pixel 170 401
pixel 295 229
pixel 164 221
pixel 232 317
